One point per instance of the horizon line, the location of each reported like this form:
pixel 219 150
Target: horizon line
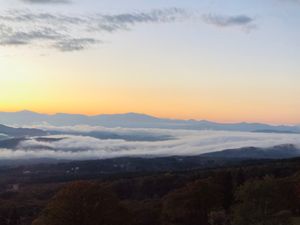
pixel 150 115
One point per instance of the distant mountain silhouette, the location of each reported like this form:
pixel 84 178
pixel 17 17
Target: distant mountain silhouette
pixel 134 120
pixel 164 163
pixel 276 152
pixel 11 143
pixel 21 132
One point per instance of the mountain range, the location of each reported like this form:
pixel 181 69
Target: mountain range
pixel 167 163
pixel 275 152
pixel 134 120
pixel 20 132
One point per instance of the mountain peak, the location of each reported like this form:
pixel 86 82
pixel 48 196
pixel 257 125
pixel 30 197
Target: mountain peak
pixel 129 115
pixel 135 120
pixel 26 112
pixel 133 114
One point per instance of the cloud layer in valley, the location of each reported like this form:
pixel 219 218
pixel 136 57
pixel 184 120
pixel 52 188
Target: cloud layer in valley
pixel 78 144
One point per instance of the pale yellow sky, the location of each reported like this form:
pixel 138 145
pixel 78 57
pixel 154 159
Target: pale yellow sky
pixel 45 84
pixel 240 63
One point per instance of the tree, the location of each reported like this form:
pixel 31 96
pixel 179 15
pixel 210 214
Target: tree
pixel 225 182
pixel 84 203
pixel 14 218
pixel 218 218
pixel 191 205
pixel 146 212
pixel 261 202
pixel 240 178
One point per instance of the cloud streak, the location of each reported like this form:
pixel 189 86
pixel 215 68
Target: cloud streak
pixel 46 1
pixel 74 44
pixel 19 37
pixel 243 21
pixel 78 32
pixel 74 33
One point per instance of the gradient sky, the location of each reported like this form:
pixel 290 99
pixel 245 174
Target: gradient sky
pixel 219 60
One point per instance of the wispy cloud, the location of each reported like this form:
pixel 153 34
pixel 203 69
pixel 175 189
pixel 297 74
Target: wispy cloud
pixel 73 33
pixel 289 1
pixel 243 21
pixel 23 37
pixel 124 21
pixel 46 1
pixel 75 44
pixel 78 32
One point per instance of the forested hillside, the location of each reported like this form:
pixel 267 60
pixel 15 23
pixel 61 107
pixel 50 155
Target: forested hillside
pixel 260 193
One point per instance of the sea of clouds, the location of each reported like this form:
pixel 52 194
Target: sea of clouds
pixel 84 142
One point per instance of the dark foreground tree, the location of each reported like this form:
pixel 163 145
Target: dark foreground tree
pixel 225 182
pixel 14 218
pixel 192 205
pixel 262 202
pixel 84 203
pixel 146 212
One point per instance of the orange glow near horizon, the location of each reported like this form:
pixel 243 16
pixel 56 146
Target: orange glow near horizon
pixel 177 104
pixel 225 117
pixel 166 85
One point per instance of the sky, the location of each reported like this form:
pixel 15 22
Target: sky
pixel 227 61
